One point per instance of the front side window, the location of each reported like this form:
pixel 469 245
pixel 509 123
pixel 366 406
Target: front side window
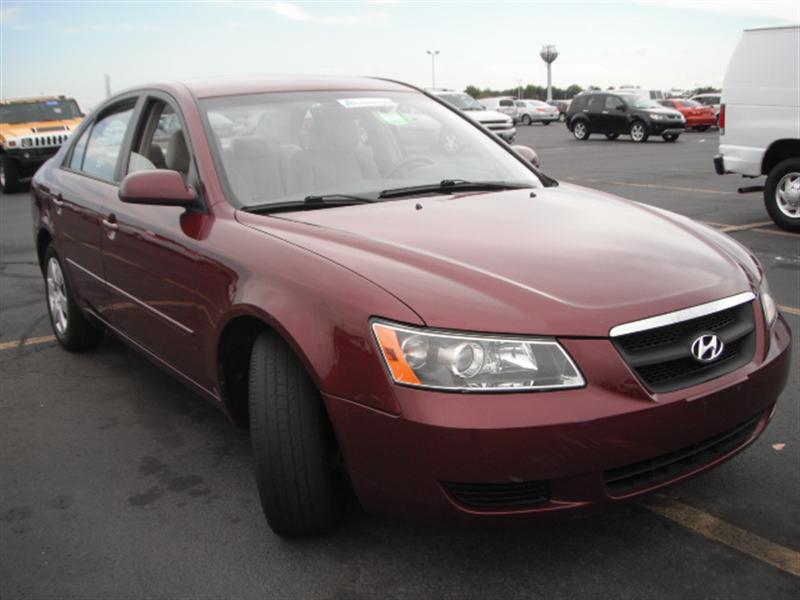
pixel 104 144
pixel 284 147
pixel 613 103
pixel 162 143
pixel 76 160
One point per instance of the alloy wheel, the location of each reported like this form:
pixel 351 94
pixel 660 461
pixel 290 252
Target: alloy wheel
pixel 637 132
pixel 580 131
pixel 787 195
pixel 57 296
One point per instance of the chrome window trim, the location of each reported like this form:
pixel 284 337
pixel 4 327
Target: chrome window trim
pixel 679 316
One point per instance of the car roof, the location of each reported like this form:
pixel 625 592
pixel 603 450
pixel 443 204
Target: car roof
pixel 262 84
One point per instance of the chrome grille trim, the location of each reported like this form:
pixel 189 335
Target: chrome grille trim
pixel 685 314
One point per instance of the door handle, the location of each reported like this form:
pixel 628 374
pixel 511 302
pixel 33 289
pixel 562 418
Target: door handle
pixel 111 223
pixel 58 200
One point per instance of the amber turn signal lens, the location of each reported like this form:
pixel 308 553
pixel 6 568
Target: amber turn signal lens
pixel 395 359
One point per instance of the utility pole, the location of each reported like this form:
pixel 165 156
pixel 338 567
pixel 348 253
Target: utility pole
pixel 433 54
pixel 549 54
pixel 108 85
pixel 519 89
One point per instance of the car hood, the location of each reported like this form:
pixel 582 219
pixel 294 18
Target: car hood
pixel 569 261
pixel 483 116
pixel 14 130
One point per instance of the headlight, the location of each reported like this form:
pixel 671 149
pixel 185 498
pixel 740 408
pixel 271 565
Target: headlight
pixel 657 117
pixel 26 142
pixel 768 303
pixel 473 363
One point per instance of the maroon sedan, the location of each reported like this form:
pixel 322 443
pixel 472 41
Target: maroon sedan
pixel 456 336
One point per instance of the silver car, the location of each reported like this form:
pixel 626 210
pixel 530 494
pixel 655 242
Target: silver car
pixel 535 111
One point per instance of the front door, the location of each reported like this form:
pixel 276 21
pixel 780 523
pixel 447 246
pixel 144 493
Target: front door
pixel 150 255
pixel 615 115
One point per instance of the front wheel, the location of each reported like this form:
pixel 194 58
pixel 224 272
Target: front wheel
pixel 639 132
pixel 73 331
pixel 612 136
pixel 581 131
pixel 299 470
pixel 526 119
pixel 782 194
pixel 9 175
pixel 670 137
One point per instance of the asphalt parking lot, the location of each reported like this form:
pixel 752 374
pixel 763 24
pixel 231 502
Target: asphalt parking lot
pixel 115 481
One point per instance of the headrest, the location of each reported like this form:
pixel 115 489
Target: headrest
pixel 333 129
pixel 249 147
pixel 177 153
pixel 156 156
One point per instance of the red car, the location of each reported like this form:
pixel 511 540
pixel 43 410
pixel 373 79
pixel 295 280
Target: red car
pixel 458 337
pixel 697 116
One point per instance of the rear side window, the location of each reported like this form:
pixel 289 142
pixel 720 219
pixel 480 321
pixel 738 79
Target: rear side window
pixel 506 103
pixel 579 103
pixel 597 103
pixel 105 141
pixel 613 103
pixel 76 160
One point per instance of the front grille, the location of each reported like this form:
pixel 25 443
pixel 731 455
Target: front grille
pixel 49 140
pixel 625 479
pixel 488 496
pixel 662 358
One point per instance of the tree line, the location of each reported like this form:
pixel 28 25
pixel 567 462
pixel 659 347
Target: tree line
pixel 538 92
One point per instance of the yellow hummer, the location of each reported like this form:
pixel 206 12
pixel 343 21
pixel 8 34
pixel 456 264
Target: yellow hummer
pixel 31 130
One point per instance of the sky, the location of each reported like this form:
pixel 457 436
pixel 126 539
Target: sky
pixel 58 47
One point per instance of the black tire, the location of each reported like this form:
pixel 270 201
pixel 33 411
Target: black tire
pixel 300 482
pixel 9 175
pixel 72 329
pixel 545 122
pixel 639 132
pixel 671 137
pixel 580 129
pixel 785 214
pixel 526 119
pixel 612 136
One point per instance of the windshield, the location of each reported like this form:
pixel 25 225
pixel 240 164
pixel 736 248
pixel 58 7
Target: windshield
pixel 691 103
pixel 29 112
pixel 462 101
pixel 639 102
pixel 284 147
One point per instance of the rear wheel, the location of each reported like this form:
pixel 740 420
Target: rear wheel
pixel 526 119
pixel 670 137
pixel 581 130
pixel 639 132
pixel 782 194
pixel 9 175
pixel 299 470
pixel 612 136
pixel 73 331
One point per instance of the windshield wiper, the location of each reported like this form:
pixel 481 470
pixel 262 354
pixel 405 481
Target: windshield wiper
pixel 310 202
pixel 448 186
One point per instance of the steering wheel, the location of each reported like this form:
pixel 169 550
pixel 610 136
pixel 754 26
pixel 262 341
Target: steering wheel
pixel 414 161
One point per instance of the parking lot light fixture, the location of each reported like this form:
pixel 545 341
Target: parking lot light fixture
pixel 433 54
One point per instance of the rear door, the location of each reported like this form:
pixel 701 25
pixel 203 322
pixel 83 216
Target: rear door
pixel 85 183
pixel 597 120
pixel 150 256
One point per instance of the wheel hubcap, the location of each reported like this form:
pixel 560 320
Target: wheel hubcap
pixel 637 133
pixel 580 130
pixel 787 195
pixel 57 296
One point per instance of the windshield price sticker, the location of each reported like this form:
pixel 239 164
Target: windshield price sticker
pixel 365 102
pixel 392 118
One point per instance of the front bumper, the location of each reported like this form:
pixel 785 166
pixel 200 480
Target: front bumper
pixel 567 441
pixel 32 156
pixel 507 134
pixel 666 128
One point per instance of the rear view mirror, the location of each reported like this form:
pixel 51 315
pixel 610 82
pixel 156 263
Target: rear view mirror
pixel 159 187
pixel 528 154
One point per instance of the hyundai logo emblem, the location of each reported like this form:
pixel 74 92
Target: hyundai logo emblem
pixel 707 348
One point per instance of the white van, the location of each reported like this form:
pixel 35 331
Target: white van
pixel 759 118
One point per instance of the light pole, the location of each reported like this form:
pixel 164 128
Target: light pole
pixel 549 54
pixel 433 54
pixel 519 89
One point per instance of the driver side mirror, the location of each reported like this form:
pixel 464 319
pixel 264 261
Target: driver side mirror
pixel 160 187
pixel 528 154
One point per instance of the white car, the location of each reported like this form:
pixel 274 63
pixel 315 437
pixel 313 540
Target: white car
pixel 536 111
pixel 759 119
pixel 504 104
pixel 499 123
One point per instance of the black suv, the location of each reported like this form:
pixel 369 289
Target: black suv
pixel 612 114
